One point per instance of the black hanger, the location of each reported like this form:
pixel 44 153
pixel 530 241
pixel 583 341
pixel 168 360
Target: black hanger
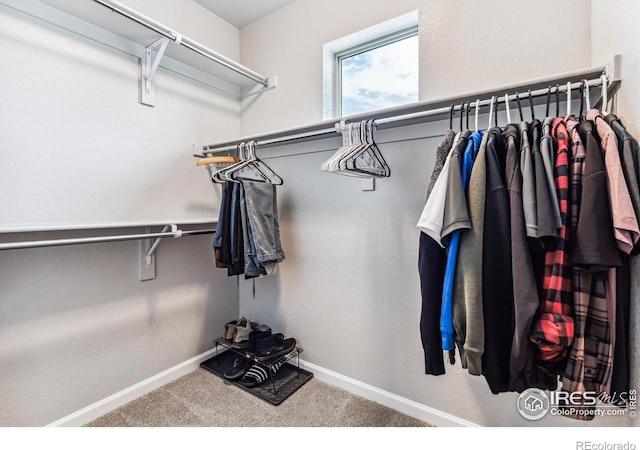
pixel 581 90
pixel 546 113
pixel 468 109
pixel 451 117
pixel 533 117
pixel 461 115
pixel 519 107
pixel 495 112
pixel 557 100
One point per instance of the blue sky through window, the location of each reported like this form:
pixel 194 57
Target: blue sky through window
pixel 380 78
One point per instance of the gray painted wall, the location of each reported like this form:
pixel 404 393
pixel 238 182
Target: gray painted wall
pixel 76 324
pixel 349 289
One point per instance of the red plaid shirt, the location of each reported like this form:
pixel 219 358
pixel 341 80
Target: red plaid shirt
pixel 553 329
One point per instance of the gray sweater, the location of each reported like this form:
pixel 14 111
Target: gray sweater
pixel 468 318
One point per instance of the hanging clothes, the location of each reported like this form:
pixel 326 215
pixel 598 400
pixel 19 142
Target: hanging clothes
pixel 467 289
pixel 432 222
pixel 625 223
pixel 546 229
pixel 630 158
pixel 247 237
pixel 251 268
pixel 458 309
pixel 262 215
pixel 553 329
pixel 594 245
pixel 222 238
pixel 236 265
pixel 497 279
pixel 525 298
pixel 456 218
pixel 551 302
pixel 528 188
pixel 548 159
pixel 630 161
pixel 431 265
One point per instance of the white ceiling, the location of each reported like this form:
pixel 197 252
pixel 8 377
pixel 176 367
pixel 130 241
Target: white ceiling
pixel 241 12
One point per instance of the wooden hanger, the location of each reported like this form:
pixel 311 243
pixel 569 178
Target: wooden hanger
pixel 217 159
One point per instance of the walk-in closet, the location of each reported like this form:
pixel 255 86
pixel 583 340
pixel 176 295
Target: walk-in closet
pixel 328 214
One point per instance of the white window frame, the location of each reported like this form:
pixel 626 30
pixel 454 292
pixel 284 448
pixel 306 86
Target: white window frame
pixel 334 52
pixel 363 48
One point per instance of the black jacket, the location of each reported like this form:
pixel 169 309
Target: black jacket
pixel 497 289
pixel 594 245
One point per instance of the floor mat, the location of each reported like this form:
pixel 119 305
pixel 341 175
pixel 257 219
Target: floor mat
pixel 287 380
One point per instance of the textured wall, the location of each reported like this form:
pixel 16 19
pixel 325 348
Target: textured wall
pixel 614 31
pixel 485 44
pixel 288 43
pixel 349 288
pixel 101 155
pixel 465 45
pixel 76 324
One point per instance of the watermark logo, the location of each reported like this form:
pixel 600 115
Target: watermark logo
pixel 533 404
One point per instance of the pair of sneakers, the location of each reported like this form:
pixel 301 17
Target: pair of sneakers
pixel 265 346
pixel 237 332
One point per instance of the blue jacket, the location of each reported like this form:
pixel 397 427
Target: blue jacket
pixel 446 314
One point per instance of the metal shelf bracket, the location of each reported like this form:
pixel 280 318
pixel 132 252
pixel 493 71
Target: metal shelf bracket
pixel 272 83
pixel 148 249
pixel 149 67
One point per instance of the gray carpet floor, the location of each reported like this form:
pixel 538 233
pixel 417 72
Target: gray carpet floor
pixel 201 399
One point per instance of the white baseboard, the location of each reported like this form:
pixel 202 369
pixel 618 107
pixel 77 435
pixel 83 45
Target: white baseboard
pixel 404 405
pixel 92 412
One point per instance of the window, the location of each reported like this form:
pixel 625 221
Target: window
pixel 372 69
pixel 378 75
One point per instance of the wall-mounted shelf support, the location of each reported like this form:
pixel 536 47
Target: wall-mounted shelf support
pixel 149 68
pixel 132 32
pixel 148 249
pixel 612 72
pixel 272 83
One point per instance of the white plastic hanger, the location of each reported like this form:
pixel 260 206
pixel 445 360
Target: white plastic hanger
pixel 605 93
pixel 491 108
pixel 506 104
pixel 343 129
pixel 477 107
pixel 256 167
pixel 219 175
pixel 586 94
pixel 568 98
pixel 367 159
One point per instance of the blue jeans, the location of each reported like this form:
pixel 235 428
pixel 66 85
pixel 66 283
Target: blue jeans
pixel 251 268
pixel 262 215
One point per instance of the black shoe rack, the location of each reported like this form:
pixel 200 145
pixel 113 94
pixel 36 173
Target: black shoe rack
pixel 279 386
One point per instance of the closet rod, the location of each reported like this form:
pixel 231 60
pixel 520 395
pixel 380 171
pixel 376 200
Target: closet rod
pixel 184 41
pixel 400 116
pixel 100 239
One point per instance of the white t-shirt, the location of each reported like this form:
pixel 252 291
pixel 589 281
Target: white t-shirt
pixel 432 216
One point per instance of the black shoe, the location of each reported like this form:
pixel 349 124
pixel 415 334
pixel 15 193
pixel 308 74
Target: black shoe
pixel 260 333
pixel 264 342
pixel 277 347
pixel 238 369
